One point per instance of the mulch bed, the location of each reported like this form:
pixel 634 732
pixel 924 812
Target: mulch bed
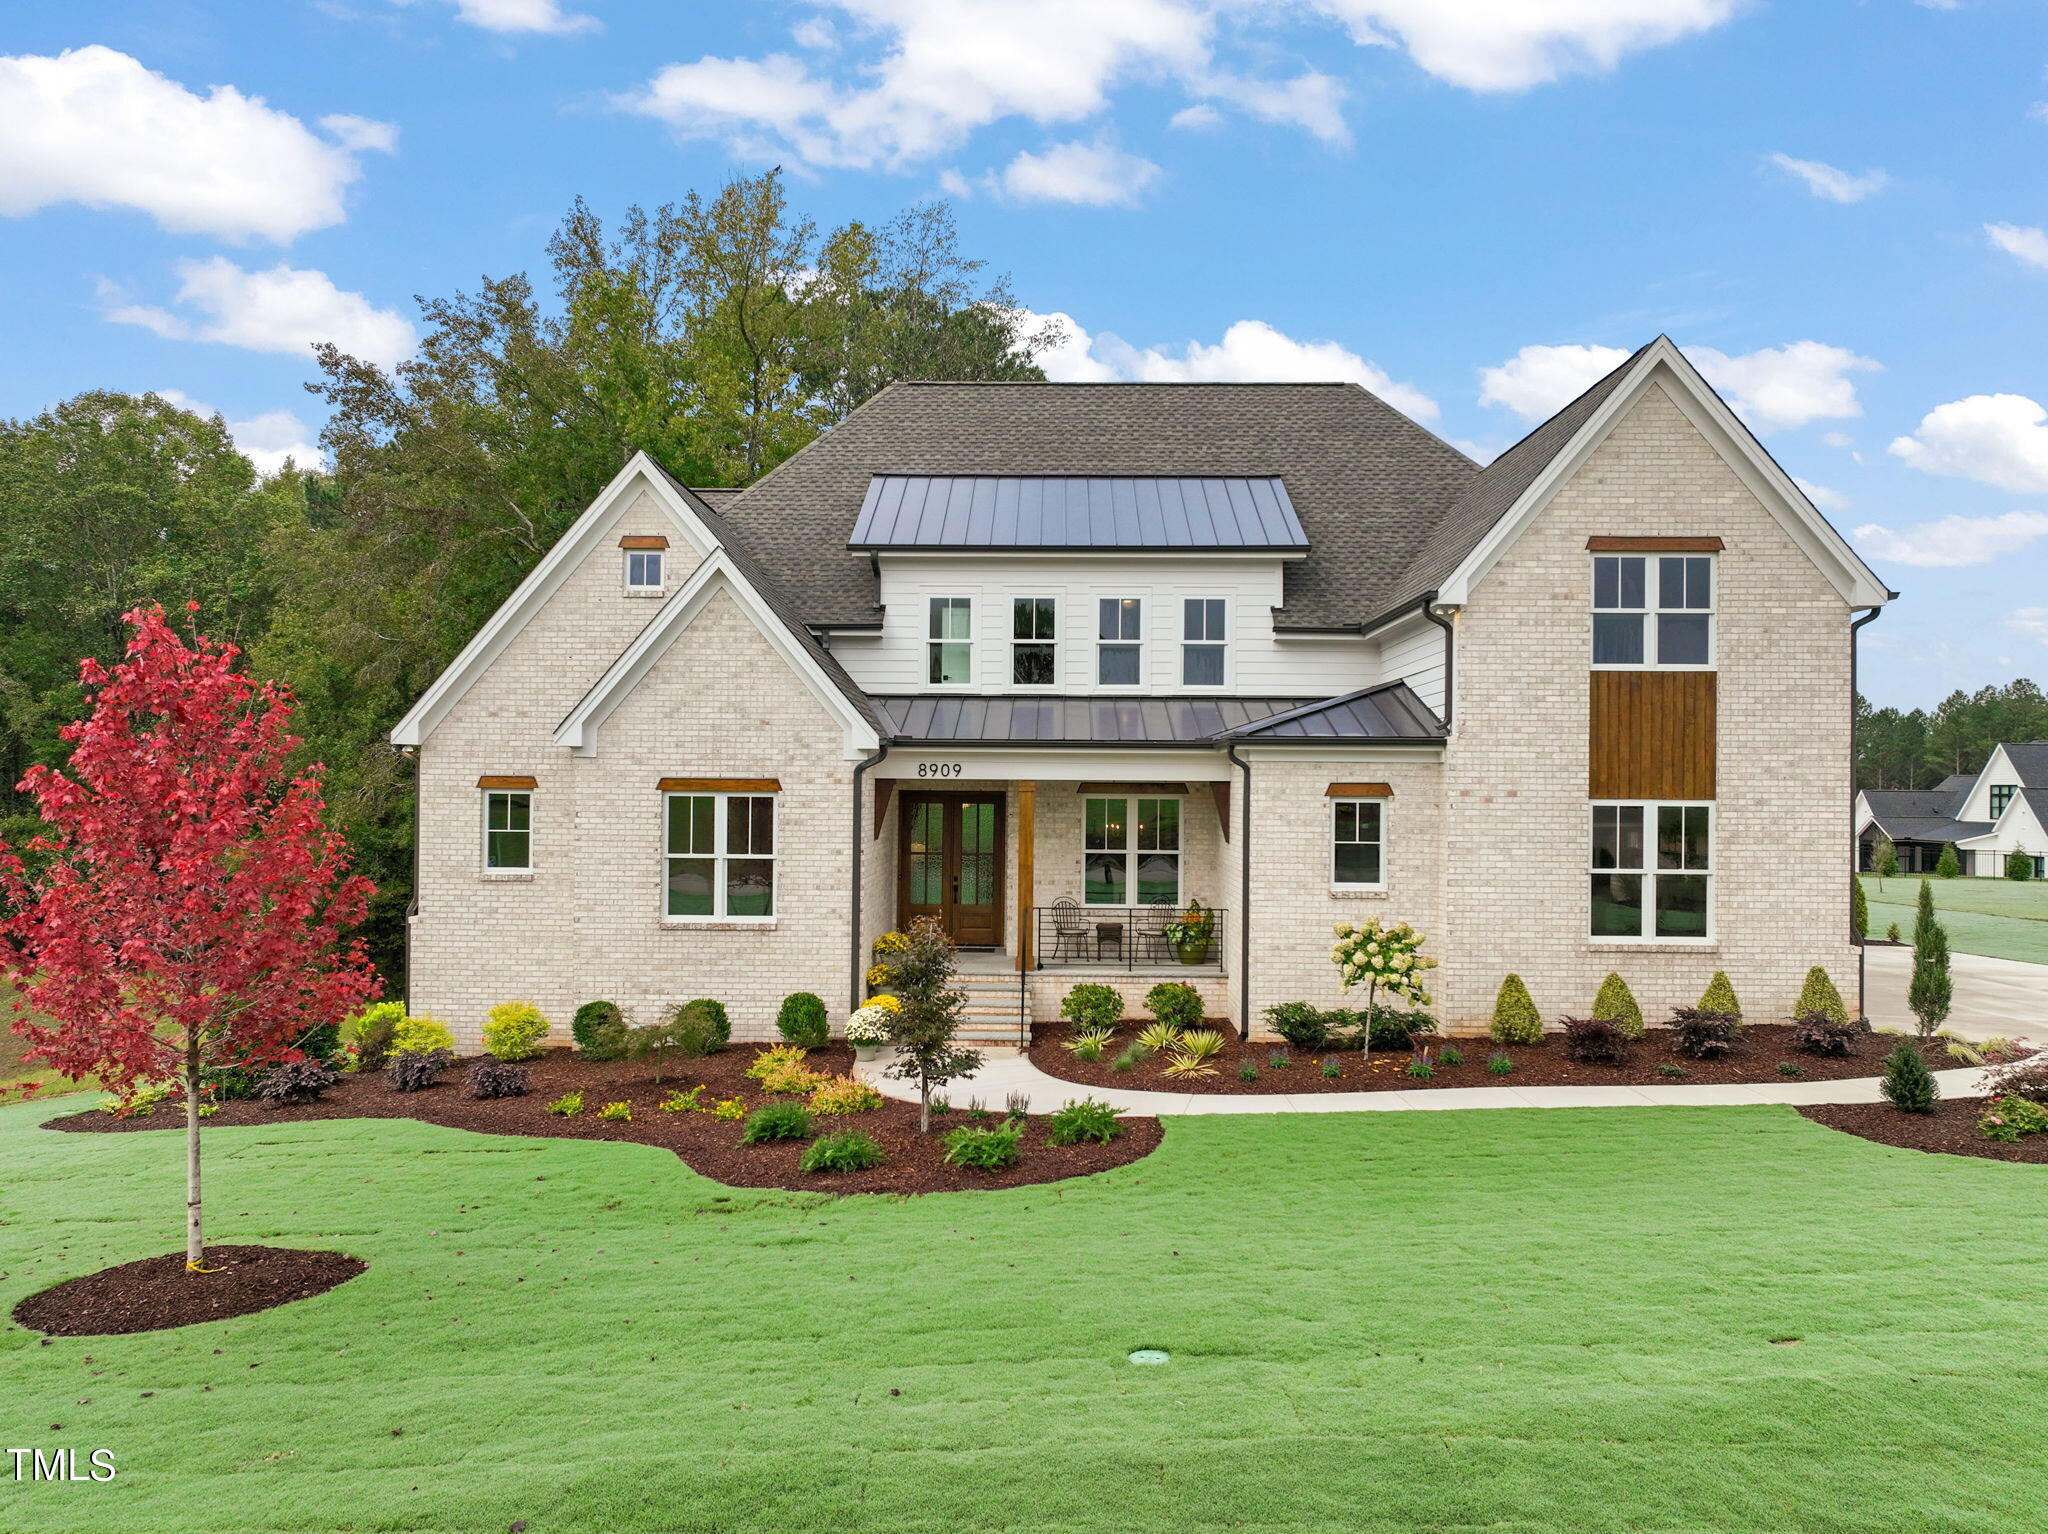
pixel 1536 1065
pixel 710 1146
pixel 157 1292
pixel 1951 1130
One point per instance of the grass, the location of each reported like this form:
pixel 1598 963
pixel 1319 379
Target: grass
pixel 1514 1321
pixel 1999 918
pixel 11 1046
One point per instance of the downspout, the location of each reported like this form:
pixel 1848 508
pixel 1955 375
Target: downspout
pixel 412 902
pixel 1244 898
pixel 858 969
pixel 1862 949
pixel 1427 607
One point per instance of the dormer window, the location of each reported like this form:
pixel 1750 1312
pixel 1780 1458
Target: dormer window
pixel 2001 796
pixel 1202 636
pixel 1034 623
pixel 646 564
pixel 950 641
pixel 1119 648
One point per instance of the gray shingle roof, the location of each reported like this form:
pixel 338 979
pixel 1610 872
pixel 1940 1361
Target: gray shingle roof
pixel 1367 484
pixel 2029 760
pixel 1934 829
pixel 918 511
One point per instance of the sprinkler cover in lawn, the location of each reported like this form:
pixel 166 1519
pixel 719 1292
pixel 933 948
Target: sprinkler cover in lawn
pixel 1150 1356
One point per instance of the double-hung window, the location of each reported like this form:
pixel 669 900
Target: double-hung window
pixel 720 855
pixel 2001 796
pixel 643 569
pixel 951 641
pixel 1119 647
pixel 1034 623
pixel 1130 851
pixel 1653 610
pixel 1358 837
pixel 1652 870
pixel 508 831
pixel 1202 636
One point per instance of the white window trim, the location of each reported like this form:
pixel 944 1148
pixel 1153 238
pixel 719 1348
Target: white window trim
pixel 1386 821
pixel 1131 851
pixel 718 859
pixel 634 589
pixel 973 658
pixel 1650 870
pixel 1059 619
pixel 1652 586
pixel 483 850
pixel 1095 681
pixel 1181 644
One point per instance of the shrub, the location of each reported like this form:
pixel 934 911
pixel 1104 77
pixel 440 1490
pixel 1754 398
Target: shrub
pixel 1090 1007
pixel 1133 1054
pixel 1278 1060
pixel 513 1030
pixel 692 1101
pixel 1500 1062
pixel 371 1030
pixel 1704 1033
pixel 1179 1064
pixel 700 1027
pixel 843 1094
pixel 1420 1068
pixel 1791 1068
pixel 1332 1070
pixel 1084 1120
pixel 320 1043
pixel 1963 1052
pixel 984 1150
pixel 781 1068
pixel 297 1081
pixel 730 1110
pixel 1818 994
pixel 2018 865
pixel 1089 1044
pixel 414 1070
pixel 1820 1033
pixel 567 1106
pixel 1303 1026
pixel 1859 909
pixel 1674 1072
pixel 1595 1040
pixel 2007 1118
pixel 848 1151
pixel 803 1021
pixel 616 1113
pixel 655 1042
pixel 1202 1043
pixel 1930 991
pixel 1719 996
pixel 1908 1085
pixel 1389 1029
pixel 1616 1004
pixel 1515 1019
pixel 2026 1078
pixel 1248 1071
pixel 142 1100
pixel 1891 934
pixel 777 1121
pixel 599 1030
pixel 497 1078
pixel 1947 866
pixel 1452 1055
pixel 1157 1036
pixel 1175 1003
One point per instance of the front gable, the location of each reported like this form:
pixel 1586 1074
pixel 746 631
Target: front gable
pixel 1977 802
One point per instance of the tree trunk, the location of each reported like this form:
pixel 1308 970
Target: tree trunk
pixel 924 1106
pixel 195 1235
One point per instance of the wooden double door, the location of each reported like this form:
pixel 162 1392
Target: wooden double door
pixel 950 863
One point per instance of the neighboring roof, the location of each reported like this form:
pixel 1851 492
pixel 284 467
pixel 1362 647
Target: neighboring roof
pixel 1924 814
pixel 1954 783
pixel 1366 483
pixel 1938 829
pixel 1389 712
pixel 916 511
pixel 2029 760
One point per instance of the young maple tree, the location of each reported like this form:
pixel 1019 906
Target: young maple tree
pixel 188 906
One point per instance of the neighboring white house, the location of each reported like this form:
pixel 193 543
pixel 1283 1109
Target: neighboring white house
pixel 1985 816
pixel 1049 662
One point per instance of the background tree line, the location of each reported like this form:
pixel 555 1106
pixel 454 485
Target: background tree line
pixel 1917 749
pixel 719 333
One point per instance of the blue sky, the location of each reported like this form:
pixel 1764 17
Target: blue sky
pixel 1837 208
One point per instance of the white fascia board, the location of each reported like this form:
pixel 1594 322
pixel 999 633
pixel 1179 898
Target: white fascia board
pixel 541 583
pixel 1996 770
pixel 1662 361
pixel 713 574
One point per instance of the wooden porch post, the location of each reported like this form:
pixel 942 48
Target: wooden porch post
pixel 1027 839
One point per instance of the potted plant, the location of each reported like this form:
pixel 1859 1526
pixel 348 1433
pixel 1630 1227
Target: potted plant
pixel 867 1029
pixel 1192 933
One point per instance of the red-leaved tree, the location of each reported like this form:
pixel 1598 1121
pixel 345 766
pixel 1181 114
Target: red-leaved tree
pixel 188 906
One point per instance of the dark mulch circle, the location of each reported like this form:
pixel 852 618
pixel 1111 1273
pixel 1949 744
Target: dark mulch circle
pixel 1536 1065
pixel 710 1146
pixel 1951 1130
pixel 157 1292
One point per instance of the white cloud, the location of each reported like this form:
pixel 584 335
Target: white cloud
pixel 1780 388
pixel 2020 242
pixel 266 440
pixel 1955 540
pixel 1539 381
pixel 1097 174
pixel 1836 439
pixel 1251 351
pixel 1999 439
pixel 2032 621
pixel 545 16
pixel 283 309
pixel 1200 115
pixel 364 133
pixel 93 126
pixel 1834 185
pixel 1821 496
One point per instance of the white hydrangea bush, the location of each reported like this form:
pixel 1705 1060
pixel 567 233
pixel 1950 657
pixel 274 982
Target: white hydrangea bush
pixel 1384 959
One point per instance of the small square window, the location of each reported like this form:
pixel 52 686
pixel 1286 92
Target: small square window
pixel 643 569
pixel 1357 843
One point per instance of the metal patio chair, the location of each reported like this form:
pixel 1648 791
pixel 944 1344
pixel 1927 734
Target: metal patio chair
pixel 1070 931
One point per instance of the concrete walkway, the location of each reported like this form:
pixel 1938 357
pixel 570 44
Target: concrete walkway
pixel 1993 997
pixel 999 1077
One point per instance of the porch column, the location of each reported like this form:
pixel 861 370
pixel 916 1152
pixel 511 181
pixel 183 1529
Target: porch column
pixel 1027 843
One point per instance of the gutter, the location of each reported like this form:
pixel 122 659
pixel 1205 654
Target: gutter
pixel 858 969
pixel 1244 898
pixel 1862 950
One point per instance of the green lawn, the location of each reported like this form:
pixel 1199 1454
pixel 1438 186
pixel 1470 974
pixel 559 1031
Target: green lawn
pixel 1510 1321
pixel 2001 918
pixel 12 1069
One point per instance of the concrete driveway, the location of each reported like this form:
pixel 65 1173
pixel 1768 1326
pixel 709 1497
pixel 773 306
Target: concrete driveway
pixel 1993 997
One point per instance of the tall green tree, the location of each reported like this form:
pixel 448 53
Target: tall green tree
pixel 1930 992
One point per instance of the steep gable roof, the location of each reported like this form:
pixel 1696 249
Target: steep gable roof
pixel 2029 760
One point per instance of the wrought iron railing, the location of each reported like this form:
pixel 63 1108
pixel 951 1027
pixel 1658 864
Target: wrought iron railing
pixel 1126 937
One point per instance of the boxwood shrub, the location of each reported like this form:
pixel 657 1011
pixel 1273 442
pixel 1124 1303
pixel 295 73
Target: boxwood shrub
pixel 803 1021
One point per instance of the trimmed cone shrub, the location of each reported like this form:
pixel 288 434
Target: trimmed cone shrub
pixel 803 1021
pixel 1616 1004
pixel 1930 992
pixel 1719 996
pixel 1948 865
pixel 2018 865
pixel 1859 908
pixel 513 1030
pixel 1093 1006
pixel 1175 1003
pixel 1515 1018
pixel 497 1078
pixel 1908 1085
pixel 1819 995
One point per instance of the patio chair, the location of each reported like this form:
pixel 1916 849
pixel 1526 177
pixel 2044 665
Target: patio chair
pixel 1151 930
pixel 1071 933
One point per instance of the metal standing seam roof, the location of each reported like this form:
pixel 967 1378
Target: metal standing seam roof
pixel 1392 713
pixel 925 511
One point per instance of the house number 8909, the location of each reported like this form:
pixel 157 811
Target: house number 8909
pixel 939 769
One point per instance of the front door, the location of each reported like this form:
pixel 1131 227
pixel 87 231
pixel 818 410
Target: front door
pixel 950 864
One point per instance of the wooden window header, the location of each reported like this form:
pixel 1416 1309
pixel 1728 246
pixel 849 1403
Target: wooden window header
pixel 644 541
pixel 1359 791
pixel 720 786
pixel 1654 545
pixel 1148 790
pixel 491 782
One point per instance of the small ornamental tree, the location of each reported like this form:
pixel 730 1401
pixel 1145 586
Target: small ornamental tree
pixel 1947 866
pixel 1930 992
pixel 1818 994
pixel 1616 1004
pixel 1907 1084
pixel 187 911
pixel 922 1028
pixel 1887 862
pixel 1719 996
pixel 1382 959
pixel 2019 865
pixel 1859 909
pixel 1515 1018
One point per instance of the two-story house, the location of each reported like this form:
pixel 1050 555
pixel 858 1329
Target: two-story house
pixel 1048 662
pixel 1986 816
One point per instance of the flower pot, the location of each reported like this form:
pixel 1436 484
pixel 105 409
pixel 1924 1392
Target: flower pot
pixel 864 1054
pixel 1193 953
